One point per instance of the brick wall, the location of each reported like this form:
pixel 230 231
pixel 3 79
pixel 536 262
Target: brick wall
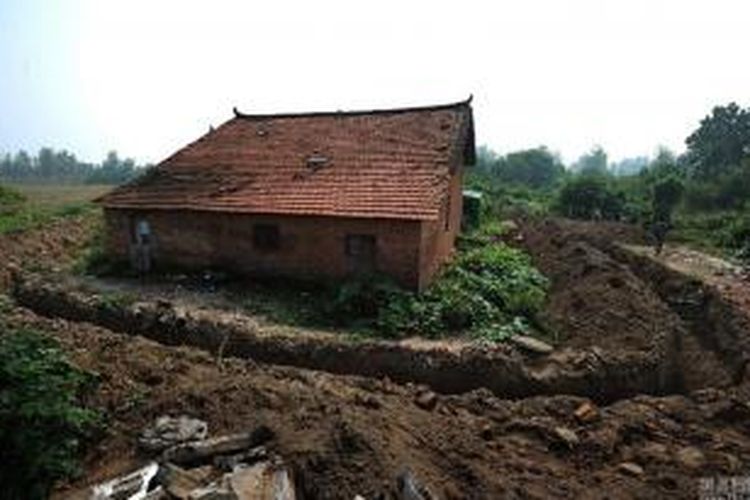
pixel 309 246
pixel 437 242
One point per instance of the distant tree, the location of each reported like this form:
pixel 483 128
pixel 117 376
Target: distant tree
pixel 590 197
pixel 630 166
pixel 667 193
pixel 720 143
pixel 46 164
pixel 534 168
pixel 593 162
pixel 486 159
pixel 61 166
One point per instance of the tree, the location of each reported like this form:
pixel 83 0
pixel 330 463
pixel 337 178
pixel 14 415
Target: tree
pixel 593 162
pixel 534 168
pixel 666 195
pixel 590 197
pixel 486 159
pixel 720 143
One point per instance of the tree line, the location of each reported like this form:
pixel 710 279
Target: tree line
pixel 707 187
pixel 51 166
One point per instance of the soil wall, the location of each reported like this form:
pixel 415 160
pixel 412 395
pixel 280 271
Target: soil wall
pixel 595 373
pixel 718 325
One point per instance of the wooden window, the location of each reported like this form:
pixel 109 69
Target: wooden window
pixel 266 237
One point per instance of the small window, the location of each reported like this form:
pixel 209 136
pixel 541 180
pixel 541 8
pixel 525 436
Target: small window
pixel 358 245
pixel 266 237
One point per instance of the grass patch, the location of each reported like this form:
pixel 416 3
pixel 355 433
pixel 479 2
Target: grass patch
pixel 21 211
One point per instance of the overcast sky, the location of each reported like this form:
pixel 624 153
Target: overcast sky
pixel 146 77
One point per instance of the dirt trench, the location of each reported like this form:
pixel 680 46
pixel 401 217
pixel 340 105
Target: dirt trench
pixel 711 331
pixel 507 371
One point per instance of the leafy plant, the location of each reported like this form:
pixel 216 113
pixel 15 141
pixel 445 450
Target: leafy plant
pixel 488 285
pixel 42 425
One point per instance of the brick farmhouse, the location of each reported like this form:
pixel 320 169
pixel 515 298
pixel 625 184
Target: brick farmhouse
pixel 311 195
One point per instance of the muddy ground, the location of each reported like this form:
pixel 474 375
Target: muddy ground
pixel 349 435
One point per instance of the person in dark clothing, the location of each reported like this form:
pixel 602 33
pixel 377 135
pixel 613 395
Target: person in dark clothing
pixel 659 230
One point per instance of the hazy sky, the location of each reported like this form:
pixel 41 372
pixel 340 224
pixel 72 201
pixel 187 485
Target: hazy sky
pixel 146 77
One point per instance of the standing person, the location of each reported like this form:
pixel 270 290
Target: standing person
pixel 142 248
pixel 659 230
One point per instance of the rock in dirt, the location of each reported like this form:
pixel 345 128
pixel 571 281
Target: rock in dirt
pixel 198 451
pixel 228 463
pixel 409 487
pixel 631 469
pixel 261 481
pixel 169 431
pixel 427 400
pixel 586 413
pixel 180 483
pixel 691 458
pixel 567 436
pixel 532 345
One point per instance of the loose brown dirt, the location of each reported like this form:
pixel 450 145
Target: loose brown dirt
pixel 348 435
pixel 55 245
pixel 594 299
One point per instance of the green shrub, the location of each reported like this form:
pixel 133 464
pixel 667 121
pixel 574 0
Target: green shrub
pixel 487 286
pixel 42 426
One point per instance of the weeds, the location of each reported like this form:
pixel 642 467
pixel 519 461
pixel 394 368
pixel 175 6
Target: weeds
pixel 42 426
pixel 488 291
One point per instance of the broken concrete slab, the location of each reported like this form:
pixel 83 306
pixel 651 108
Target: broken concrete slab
pixel 170 431
pixel 131 486
pixel 198 451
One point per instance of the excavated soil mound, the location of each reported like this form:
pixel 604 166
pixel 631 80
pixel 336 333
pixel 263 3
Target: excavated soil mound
pixel 594 299
pixel 344 436
pixel 56 244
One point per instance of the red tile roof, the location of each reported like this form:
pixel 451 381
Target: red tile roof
pixel 382 164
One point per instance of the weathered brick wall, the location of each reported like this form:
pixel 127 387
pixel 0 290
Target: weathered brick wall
pixel 309 246
pixel 437 243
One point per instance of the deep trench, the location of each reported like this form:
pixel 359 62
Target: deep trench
pixel 715 349
pixel 716 333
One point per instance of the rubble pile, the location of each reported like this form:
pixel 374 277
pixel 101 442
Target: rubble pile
pixel 186 464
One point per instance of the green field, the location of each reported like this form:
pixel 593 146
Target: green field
pixel 39 204
pixel 55 196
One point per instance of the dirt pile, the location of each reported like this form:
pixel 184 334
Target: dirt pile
pixel 594 299
pixel 613 294
pixel 344 436
pixel 55 245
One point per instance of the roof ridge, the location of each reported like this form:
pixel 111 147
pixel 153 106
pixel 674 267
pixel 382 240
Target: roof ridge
pixel 434 107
